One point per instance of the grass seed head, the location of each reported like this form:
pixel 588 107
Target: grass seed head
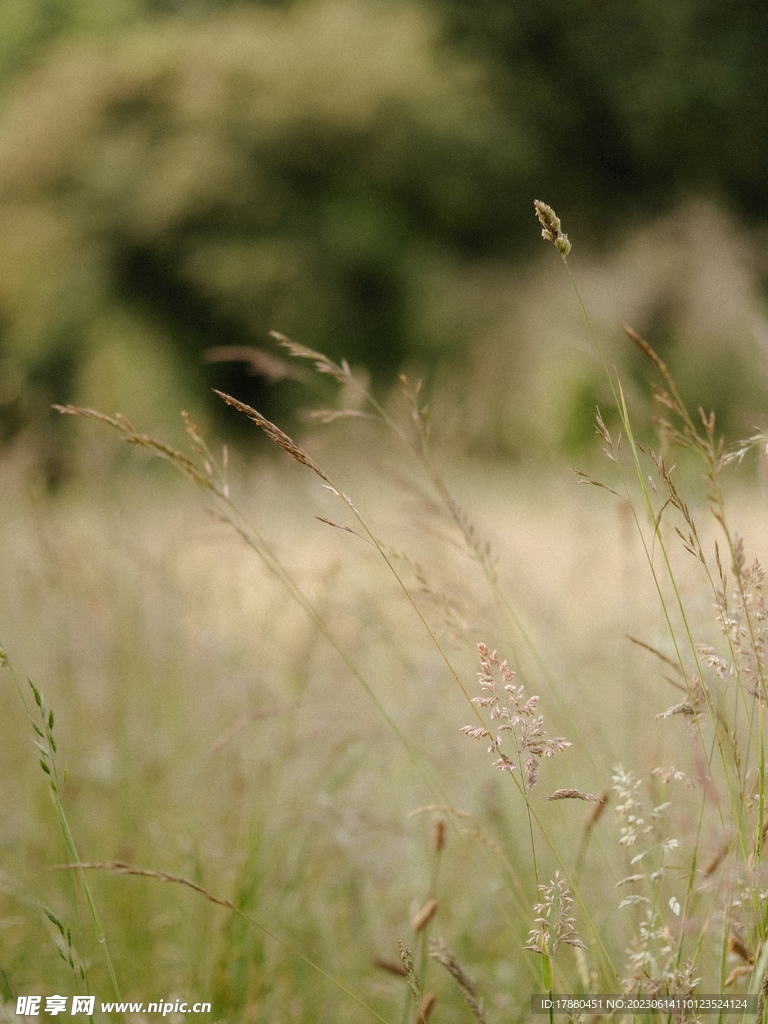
pixel 440 950
pixel 550 227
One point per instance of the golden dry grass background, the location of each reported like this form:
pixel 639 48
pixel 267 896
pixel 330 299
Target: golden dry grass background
pixel 211 731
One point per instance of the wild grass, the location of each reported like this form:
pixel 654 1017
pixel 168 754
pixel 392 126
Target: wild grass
pixel 399 740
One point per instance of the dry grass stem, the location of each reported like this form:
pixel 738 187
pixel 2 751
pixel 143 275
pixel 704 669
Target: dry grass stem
pixel 245 721
pixel 259 362
pixel 425 915
pixel 712 865
pixel 119 867
pixel 428 1004
pixel 597 812
pixel 346 529
pixel 390 966
pixel 339 371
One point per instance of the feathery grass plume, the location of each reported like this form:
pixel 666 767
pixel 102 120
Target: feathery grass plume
pixel 449 615
pixel 339 371
pixel 440 951
pixel 209 476
pixel 550 227
pixel 274 433
pixel 655 966
pixel 646 955
pixel 672 774
pixel 479 548
pixel 698 436
pixel 744 623
pixel 655 958
pixel 418 411
pixel 555 923
pixel 629 809
pixel 514 715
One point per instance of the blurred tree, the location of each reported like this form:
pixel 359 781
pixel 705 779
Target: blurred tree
pixel 199 181
pixel 632 105
pixel 176 176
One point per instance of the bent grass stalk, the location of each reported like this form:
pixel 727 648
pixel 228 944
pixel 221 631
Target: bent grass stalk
pixel 207 473
pixel 46 745
pixel 298 454
pixel 203 469
pixel 712 455
pixel 121 868
pixel 481 552
pixel 342 373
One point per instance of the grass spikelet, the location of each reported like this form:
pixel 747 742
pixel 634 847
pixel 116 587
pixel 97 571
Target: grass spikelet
pixel 574 794
pixel 204 476
pixel 414 983
pixel 438 836
pixel 551 230
pixel 440 951
pixel 339 371
pixel 274 433
pixel 425 915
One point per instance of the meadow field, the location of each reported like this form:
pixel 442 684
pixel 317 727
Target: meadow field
pixel 280 705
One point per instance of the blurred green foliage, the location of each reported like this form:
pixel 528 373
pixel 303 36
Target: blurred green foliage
pixel 181 176
pixel 630 105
